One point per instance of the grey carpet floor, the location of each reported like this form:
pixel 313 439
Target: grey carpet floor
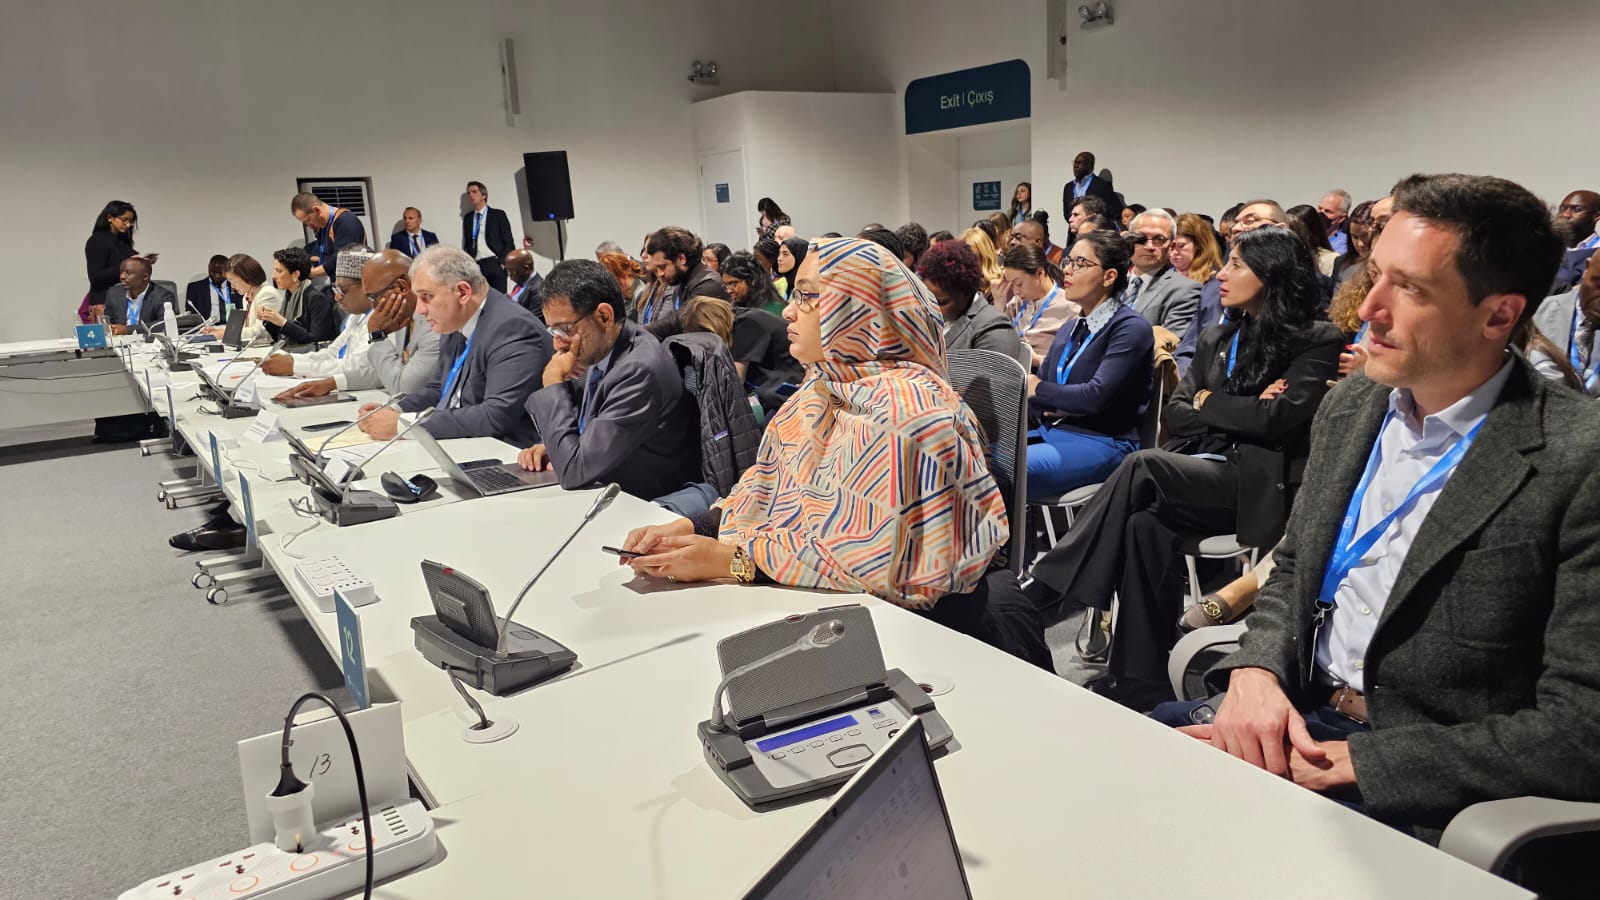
pixel 122 692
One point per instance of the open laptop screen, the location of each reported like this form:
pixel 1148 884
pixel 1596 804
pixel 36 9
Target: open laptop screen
pixel 887 836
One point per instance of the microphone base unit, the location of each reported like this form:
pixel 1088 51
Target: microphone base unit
pixel 773 766
pixel 530 658
pixel 334 863
pixel 231 410
pixel 354 508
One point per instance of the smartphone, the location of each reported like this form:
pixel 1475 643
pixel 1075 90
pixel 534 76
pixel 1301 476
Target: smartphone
pixel 301 402
pixel 327 426
pixel 625 554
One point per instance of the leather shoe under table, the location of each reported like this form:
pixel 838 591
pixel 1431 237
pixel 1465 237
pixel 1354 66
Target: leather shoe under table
pixel 208 538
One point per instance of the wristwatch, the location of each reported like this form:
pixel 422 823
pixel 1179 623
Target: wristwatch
pixel 1214 608
pixel 741 568
pixel 378 335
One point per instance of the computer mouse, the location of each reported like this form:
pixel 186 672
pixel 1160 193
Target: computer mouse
pixel 418 489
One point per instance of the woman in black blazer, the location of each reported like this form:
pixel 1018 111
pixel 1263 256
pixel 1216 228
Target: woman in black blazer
pixel 1240 425
pixel 108 245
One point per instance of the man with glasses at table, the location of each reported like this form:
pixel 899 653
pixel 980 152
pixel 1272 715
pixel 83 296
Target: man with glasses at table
pixel 1155 289
pixel 491 352
pixel 613 406
pixel 383 345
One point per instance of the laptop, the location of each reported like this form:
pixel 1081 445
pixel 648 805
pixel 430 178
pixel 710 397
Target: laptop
pixel 886 836
pixel 485 478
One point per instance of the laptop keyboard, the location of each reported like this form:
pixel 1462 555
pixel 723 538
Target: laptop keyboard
pixel 495 479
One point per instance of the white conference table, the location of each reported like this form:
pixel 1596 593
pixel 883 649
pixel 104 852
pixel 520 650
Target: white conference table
pixel 50 381
pixel 603 791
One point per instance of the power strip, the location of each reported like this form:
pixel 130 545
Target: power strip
pixel 323 576
pixel 333 864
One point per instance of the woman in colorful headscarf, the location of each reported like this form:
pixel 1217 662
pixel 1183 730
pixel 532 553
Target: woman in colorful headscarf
pixel 872 476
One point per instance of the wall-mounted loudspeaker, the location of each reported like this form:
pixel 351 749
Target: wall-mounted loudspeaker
pixel 549 186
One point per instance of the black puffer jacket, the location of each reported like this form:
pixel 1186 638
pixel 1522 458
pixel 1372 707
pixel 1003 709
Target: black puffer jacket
pixel 729 435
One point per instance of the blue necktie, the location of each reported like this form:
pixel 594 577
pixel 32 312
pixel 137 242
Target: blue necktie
pixel 591 388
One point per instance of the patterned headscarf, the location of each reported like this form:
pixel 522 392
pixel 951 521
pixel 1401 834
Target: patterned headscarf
pixel 872 477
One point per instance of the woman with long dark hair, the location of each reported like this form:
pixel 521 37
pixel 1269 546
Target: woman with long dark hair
pixel 760 341
pixel 749 285
pixel 1240 423
pixel 772 216
pixel 1037 307
pixel 110 242
pixel 1307 222
pixel 1021 204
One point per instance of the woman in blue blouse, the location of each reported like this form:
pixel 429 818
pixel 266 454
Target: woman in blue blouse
pixel 1091 390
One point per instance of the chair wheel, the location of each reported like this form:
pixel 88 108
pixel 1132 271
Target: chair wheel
pixel 201 579
pixel 216 596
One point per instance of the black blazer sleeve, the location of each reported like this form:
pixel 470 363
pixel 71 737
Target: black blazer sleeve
pixel 1270 421
pixel 315 325
pixel 1180 416
pixel 498 225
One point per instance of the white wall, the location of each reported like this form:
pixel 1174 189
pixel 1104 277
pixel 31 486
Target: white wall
pixel 203 114
pixel 993 153
pixel 829 160
pixel 1201 105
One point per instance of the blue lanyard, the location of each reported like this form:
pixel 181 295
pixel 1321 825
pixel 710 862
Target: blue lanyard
pixel 133 310
pixel 1361 332
pixel 356 324
pixel 1048 299
pixel 1572 354
pixel 1233 351
pixel 1069 357
pixel 1348 552
pixel 450 380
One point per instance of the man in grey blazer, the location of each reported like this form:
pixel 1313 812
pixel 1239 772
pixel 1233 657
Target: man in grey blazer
pixel 1575 317
pixel 137 299
pixel 491 352
pixel 1158 291
pixel 613 406
pixel 1428 638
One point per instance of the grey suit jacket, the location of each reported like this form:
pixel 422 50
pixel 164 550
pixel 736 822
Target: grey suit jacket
pixel 1483 676
pixel 987 328
pixel 504 365
pixel 149 311
pixel 643 432
pixel 405 368
pixel 1170 300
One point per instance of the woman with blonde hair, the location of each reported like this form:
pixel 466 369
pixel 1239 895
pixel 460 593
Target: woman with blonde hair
pixel 994 280
pixel 1195 253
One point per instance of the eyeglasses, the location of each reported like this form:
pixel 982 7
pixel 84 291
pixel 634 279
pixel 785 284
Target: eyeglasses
pixel 1079 263
pixel 1160 240
pixel 378 297
pixel 566 330
pixel 1572 208
pixel 805 301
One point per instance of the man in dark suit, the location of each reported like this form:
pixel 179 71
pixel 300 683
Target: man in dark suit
pixel 1157 290
pixel 491 352
pixel 486 235
pixel 413 239
pixel 1085 183
pixel 527 286
pixel 1426 640
pixel 136 299
pixel 212 297
pixel 630 419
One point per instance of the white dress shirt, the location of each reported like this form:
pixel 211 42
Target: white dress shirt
pixel 454 400
pixel 1407 454
pixel 349 368
pixel 483 233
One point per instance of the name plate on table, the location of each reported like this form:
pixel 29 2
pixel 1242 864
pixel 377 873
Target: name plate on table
pixel 263 430
pixel 156 377
pixel 172 409
pixel 352 654
pixel 245 393
pixel 249 507
pixel 216 458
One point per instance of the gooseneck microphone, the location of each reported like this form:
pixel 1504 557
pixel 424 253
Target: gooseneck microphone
pixel 386 405
pixel 344 489
pixel 823 635
pixel 608 494
pixel 259 363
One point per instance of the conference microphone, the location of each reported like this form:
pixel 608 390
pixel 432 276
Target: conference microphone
pixel 229 409
pixel 823 635
pixel 386 404
pixel 607 494
pixel 353 507
pixel 465 636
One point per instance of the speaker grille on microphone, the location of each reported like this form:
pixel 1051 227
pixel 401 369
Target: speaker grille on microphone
pixel 854 661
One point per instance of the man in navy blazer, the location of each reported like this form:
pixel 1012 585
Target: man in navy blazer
pixel 491 353
pixel 413 239
pixel 629 419
pixel 1085 183
pixel 211 296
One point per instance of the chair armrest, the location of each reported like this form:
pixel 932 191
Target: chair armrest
pixel 1192 644
pixel 1486 834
